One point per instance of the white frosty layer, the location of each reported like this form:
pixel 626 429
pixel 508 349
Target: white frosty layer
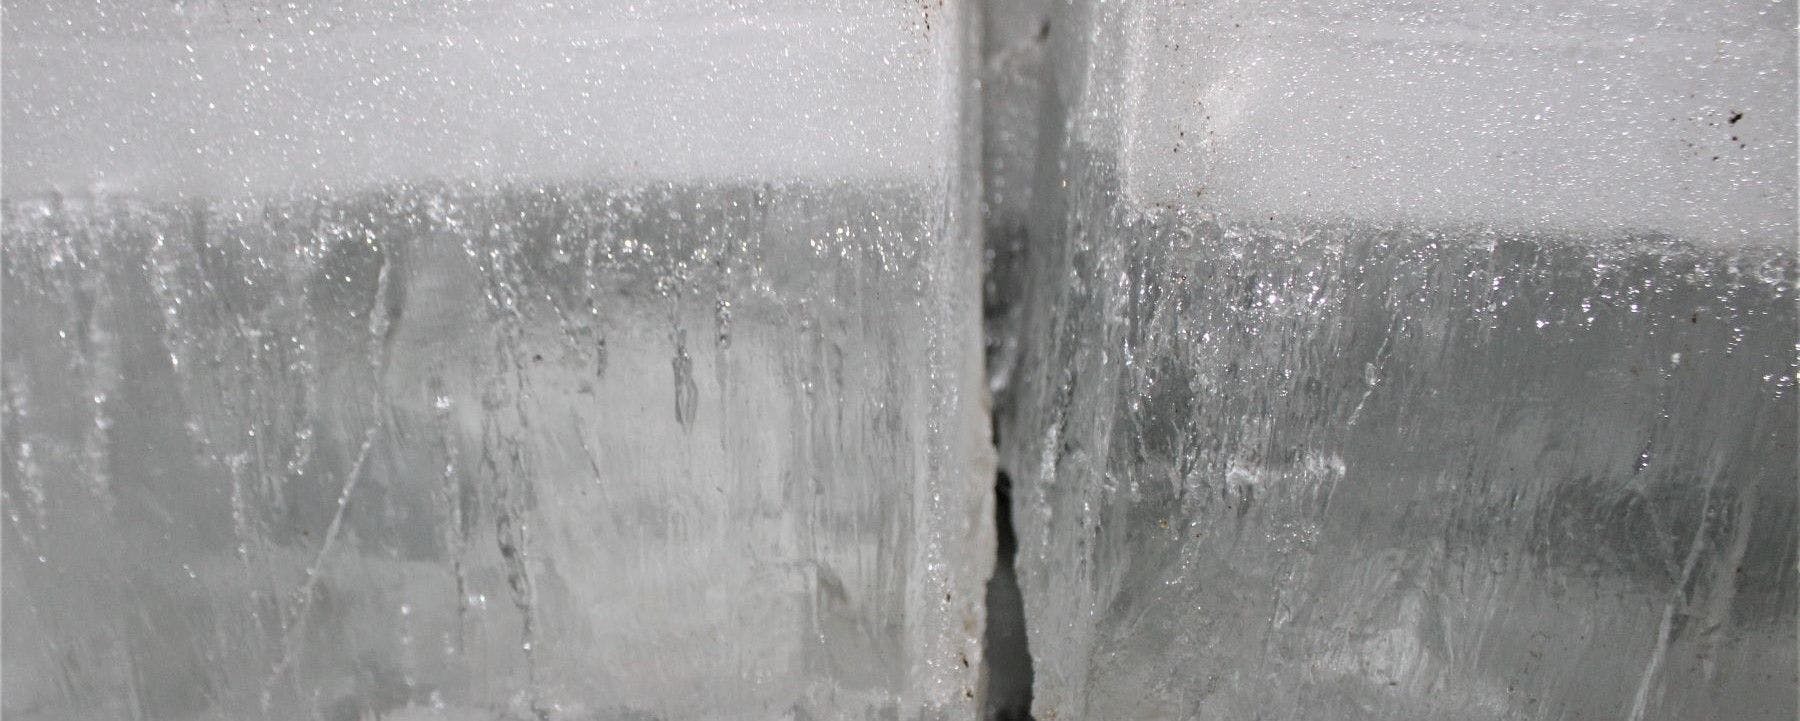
pixel 229 97
pixel 1652 115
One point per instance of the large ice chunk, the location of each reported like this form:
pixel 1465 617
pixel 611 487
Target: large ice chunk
pixel 498 361
pixel 1379 363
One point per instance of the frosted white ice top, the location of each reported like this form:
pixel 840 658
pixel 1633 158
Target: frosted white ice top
pixel 231 96
pixel 1658 115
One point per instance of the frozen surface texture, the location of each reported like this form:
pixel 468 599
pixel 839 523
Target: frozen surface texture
pixel 1378 363
pixel 503 361
pixel 1014 35
pixel 223 96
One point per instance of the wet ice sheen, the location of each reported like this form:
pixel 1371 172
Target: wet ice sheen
pixel 499 360
pixel 1401 362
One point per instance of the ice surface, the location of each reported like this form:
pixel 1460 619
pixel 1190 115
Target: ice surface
pixel 1377 363
pixel 505 361
pixel 220 97
pixel 1012 77
pixel 1572 116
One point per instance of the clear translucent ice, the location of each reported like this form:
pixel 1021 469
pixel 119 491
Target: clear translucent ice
pixel 499 359
pixel 1410 362
pixel 492 360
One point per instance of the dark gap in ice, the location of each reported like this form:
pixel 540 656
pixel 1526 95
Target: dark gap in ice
pixel 1008 655
pixel 1019 124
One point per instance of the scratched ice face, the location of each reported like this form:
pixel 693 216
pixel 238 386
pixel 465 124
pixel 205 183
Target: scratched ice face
pixel 492 361
pixel 502 359
pixel 1387 361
